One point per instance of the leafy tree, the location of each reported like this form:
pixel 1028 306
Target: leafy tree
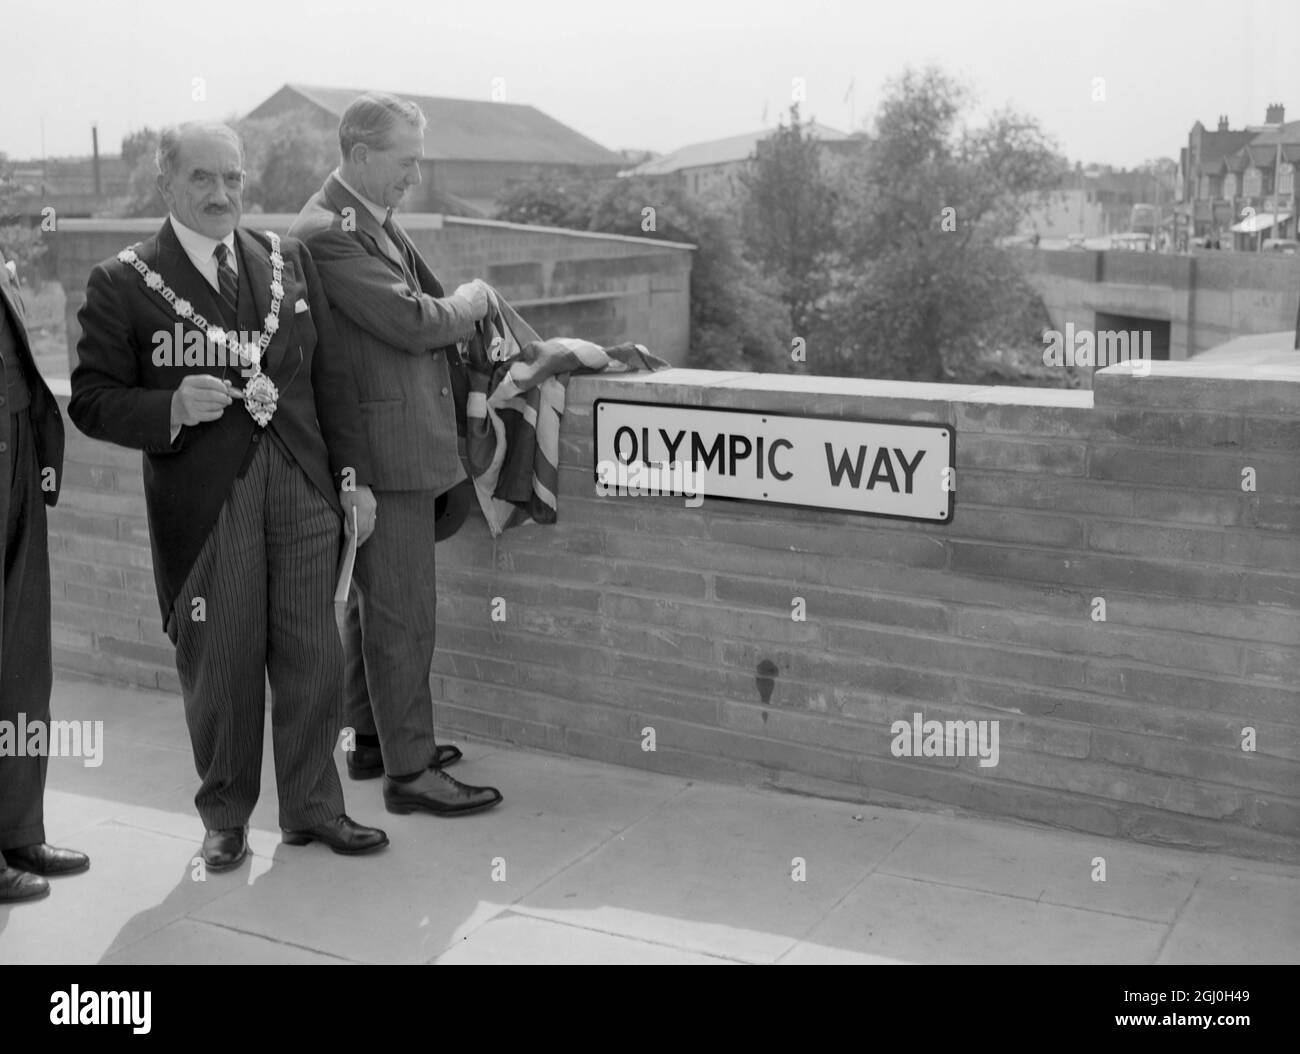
pixel 545 201
pixel 142 197
pixel 737 321
pixel 137 144
pixel 19 239
pixel 922 280
pixel 287 159
pixel 789 216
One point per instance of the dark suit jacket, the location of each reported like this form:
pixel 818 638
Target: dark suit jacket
pixel 47 421
pixel 47 428
pixel 400 343
pixel 119 392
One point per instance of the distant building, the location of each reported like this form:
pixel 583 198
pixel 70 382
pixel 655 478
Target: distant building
pixel 1097 201
pixel 1242 183
pixel 69 185
pixel 474 149
pixel 716 165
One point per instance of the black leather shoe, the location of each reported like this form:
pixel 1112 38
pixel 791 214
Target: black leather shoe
pixel 18 885
pixel 342 834
pixel 225 849
pixel 42 859
pixel 367 763
pixel 436 792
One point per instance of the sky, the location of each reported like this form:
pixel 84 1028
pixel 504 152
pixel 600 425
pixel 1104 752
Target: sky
pixel 655 75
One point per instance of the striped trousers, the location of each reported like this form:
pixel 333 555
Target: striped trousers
pixel 258 605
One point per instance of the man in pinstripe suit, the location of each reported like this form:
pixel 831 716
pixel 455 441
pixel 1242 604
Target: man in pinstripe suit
pixel 244 507
pixel 400 332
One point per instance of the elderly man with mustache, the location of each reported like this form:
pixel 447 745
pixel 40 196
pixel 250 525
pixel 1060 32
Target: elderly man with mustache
pixel 250 459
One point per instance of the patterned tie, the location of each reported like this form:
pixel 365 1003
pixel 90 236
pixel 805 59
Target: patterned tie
pixel 408 257
pixel 227 279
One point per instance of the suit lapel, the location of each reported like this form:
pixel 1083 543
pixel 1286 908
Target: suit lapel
pixel 371 230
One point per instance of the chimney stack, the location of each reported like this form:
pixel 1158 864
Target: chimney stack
pixel 1223 122
pixel 1275 114
pixel 94 138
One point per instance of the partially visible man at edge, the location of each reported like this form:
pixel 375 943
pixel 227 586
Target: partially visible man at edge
pixel 401 332
pixel 31 463
pixel 244 514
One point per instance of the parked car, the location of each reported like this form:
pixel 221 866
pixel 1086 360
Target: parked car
pixel 1074 241
pixel 1282 245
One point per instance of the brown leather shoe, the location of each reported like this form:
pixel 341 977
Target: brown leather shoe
pixel 343 835
pixel 18 885
pixel 436 792
pixel 226 848
pixel 43 859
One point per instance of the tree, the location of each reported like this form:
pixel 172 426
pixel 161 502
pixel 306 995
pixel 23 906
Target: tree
pixel 737 321
pixel 142 198
pixel 287 159
pixel 546 201
pixel 20 241
pixel 788 217
pixel 922 279
pixel 138 144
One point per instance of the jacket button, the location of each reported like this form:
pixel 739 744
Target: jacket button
pixel 2 400
pixel 444 391
pixel 3 447
pixel 257 437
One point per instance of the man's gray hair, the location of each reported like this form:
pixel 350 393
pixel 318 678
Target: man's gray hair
pixel 371 118
pixel 169 143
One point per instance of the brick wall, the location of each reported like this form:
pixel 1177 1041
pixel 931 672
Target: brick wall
pixel 635 612
pixel 105 615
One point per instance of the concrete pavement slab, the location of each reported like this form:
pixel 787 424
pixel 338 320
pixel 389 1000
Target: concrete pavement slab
pixel 1238 915
pixel 714 870
pixel 519 939
pixel 187 942
pixel 924 922
pixel 1048 867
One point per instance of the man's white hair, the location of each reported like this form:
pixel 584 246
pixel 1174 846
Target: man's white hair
pixel 169 143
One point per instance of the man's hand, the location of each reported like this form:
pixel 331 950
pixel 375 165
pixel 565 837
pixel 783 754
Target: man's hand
pixel 364 499
pixel 476 293
pixel 201 397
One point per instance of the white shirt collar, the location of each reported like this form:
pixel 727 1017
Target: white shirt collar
pixel 379 212
pixel 199 247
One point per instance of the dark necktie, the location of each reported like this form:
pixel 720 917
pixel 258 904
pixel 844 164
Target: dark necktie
pixel 227 279
pixel 408 257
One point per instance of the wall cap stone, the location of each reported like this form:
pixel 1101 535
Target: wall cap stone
pixel 1191 385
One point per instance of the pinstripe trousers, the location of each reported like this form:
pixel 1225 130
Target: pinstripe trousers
pixel 258 605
